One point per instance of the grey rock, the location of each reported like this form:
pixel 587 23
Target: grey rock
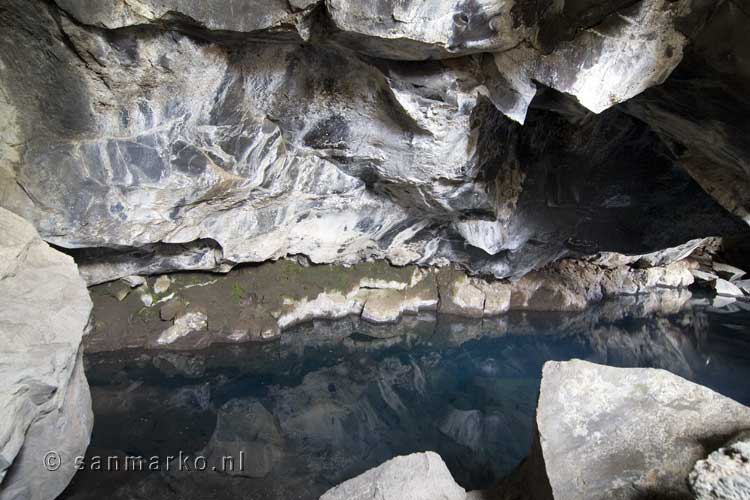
pixel 623 433
pixel 703 107
pixel 615 67
pixel 725 473
pixel 171 309
pixel 724 287
pixel 234 15
pixel 147 299
pixel 161 285
pixel 134 281
pixel 122 294
pixel 192 320
pixel 721 303
pixel 743 285
pixel 703 276
pixel 425 29
pixel 45 404
pixel 158 146
pixel 420 476
pixel 728 272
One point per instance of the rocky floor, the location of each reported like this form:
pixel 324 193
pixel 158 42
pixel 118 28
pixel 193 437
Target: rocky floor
pixel 252 303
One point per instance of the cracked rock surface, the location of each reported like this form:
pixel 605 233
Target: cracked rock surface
pixel 725 473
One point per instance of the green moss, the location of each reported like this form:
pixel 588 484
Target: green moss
pixel 238 293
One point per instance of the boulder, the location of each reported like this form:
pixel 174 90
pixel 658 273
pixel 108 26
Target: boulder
pixel 725 473
pixel 45 405
pixel 161 285
pixel 728 272
pixel 134 281
pixel 703 276
pixel 623 433
pixel 419 476
pixel 727 288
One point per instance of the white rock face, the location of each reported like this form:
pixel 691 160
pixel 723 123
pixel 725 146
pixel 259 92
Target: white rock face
pixel 609 432
pixel 234 15
pixel 725 474
pixel 420 476
pixel 724 287
pixel 189 322
pixel 425 29
pixel 45 404
pixel 621 57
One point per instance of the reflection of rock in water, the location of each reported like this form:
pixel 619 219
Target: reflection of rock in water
pixel 333 399
pixel 248 436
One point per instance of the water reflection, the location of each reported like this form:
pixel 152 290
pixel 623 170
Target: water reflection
pixel 332 399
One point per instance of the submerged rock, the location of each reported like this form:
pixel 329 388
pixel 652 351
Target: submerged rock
pixel 45 406
pixel 421 476
pixel 625 433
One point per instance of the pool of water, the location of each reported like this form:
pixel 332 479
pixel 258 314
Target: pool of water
pixel 333 399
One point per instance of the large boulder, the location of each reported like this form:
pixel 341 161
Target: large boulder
pixel 420 476
pixel 623 433
pixel 45 406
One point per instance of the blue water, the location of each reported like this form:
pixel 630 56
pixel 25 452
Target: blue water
pixel 331 400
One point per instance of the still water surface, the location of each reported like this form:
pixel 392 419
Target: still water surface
pixel 333 399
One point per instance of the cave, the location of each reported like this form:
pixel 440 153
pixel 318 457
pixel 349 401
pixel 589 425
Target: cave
pixel 386 249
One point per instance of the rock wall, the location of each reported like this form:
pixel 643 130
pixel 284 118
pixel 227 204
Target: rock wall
pixel 198 135
pixel 191 310
pixel 45 406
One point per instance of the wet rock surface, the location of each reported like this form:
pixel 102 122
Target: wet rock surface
pixel 150 136
pixel 45 405
pixel 331 400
